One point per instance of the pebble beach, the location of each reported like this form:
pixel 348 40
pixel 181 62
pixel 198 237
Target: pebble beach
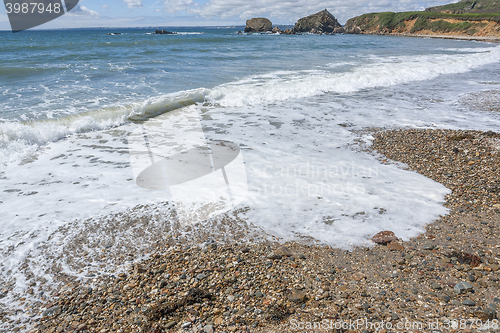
pixel 443 280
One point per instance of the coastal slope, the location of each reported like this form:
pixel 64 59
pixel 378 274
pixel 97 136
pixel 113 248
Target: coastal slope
pixel 426 23
pixel 468 6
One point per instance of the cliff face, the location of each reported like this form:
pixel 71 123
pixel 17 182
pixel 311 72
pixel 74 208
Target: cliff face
pixel 468 6
pixel 426 23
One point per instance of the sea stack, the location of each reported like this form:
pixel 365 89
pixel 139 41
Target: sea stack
pixel 258 24
pixel 322 22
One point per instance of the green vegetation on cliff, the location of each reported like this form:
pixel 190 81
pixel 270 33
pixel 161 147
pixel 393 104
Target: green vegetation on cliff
pixel 396 22
pixel 468 6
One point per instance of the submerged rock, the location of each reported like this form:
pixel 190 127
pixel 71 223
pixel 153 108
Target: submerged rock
pixel 165 32
pixel 321 22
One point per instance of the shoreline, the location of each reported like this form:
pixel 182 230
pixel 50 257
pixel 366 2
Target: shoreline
pixel 488 39
pixel 263 287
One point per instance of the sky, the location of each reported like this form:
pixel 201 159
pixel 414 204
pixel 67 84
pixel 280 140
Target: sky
pixel 164 13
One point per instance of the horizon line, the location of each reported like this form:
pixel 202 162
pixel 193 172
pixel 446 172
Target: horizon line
pixel 143 27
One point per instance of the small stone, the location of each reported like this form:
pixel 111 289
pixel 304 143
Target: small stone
pixel 284 251
pixel 486 314
pixel 394 316
pixel 258 294
pixel 393 246
pixel 241 312
pixel 230 298
pixel 274 256
pixel 297 296
pixel 162 284
pixel 201 276
pixel 299 256
pixel 51 311
pixel 218 320
pixel 428 246
pixel 186 325
pixel 436 286
pixel 208 329
pixel 455 302
pixel 384 237
pixel 243 250
pixel 468 302
pixel 463 287
pixel 358 276
pixel 170 324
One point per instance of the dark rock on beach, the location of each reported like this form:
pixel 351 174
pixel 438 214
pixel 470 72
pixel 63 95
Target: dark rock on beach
pixel 321 22
pixel 384 237
pixel 258 24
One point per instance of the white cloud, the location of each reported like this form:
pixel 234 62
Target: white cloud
pixel 291 10
pixel 230 12
pixel 173 6
pixel 105 6
pixel 133 3
pixel 158 10
pixel 83 11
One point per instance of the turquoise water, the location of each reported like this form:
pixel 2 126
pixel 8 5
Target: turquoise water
pixel 50 74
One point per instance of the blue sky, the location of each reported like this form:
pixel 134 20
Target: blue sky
pixel 139 13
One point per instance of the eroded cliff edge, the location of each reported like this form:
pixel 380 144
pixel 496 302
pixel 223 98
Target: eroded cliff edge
pixel 426 23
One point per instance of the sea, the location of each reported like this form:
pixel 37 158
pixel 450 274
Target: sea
pixel 265 130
